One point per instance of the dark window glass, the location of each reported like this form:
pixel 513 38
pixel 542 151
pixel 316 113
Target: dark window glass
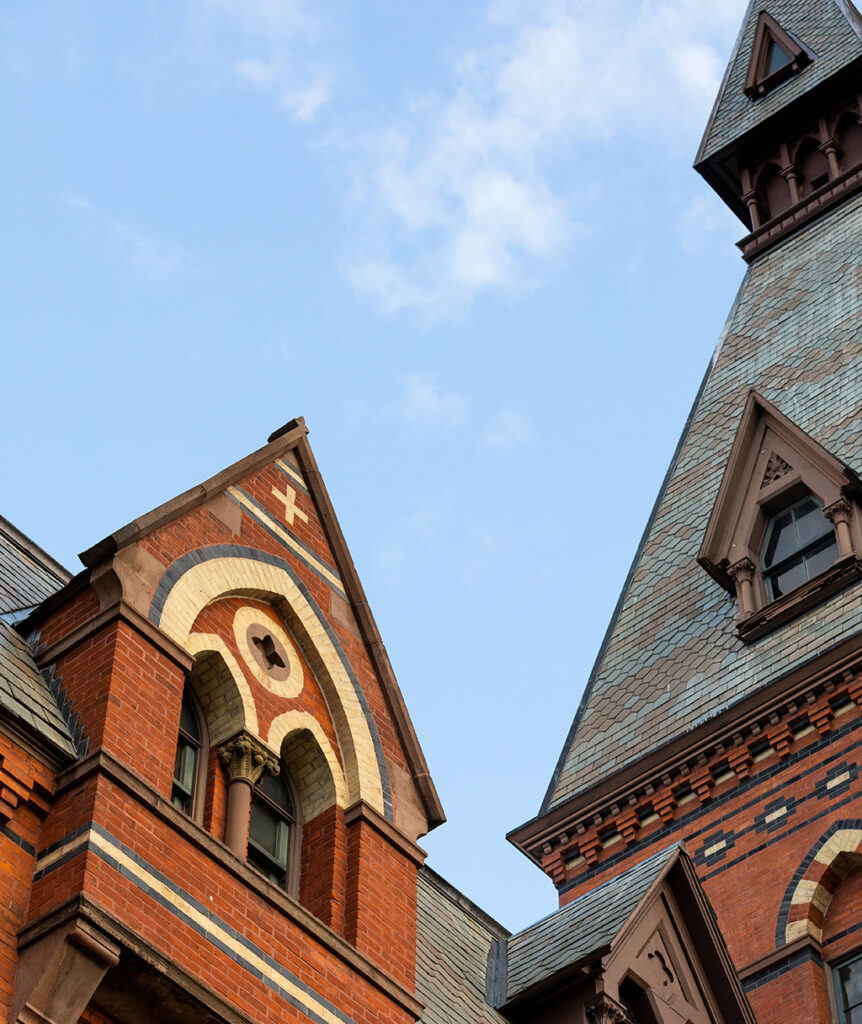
pixel 186 761
pixel 799 544
pixel 776 58
pixel 848 982
pixel 272 818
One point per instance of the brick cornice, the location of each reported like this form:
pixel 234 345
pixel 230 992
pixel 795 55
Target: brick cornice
pixel 104 765
pixel 362 811
pixel 781 701
pixel 120 611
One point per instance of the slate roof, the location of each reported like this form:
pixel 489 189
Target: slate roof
pixel 24 694
pixel 453 941
pixel 831 30
pixel 570 935
pixel 671 660
pixel 27 574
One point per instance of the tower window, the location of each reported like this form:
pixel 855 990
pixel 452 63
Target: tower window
pixel 188 757
pixel 800 543
pixel 272 829
pixel 776 58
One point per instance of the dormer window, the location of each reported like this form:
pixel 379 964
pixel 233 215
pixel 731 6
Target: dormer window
pixel 775 57
pixel 800 543
pixel 785 533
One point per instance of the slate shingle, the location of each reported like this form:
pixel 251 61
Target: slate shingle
pixel 673 660
pixel 585 926
pixel 830 29
pixel 452 948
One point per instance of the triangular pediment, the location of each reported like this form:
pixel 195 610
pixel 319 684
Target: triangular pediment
pixel 775 56
pixel 648 934
pixel 771 458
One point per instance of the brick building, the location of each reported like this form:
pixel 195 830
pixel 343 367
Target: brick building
pixel 211 793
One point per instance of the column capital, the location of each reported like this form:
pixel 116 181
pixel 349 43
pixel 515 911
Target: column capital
pixel 247 760
pixel 604 1010
pixel 838 511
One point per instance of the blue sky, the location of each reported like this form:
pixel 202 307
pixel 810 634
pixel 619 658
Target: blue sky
pixel 464 240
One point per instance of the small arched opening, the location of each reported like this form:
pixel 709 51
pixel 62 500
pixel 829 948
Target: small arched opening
pixel 812 167
pixel 849 135
pixel 774 191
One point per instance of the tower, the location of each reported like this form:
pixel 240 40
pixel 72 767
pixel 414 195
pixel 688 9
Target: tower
pixel 725 706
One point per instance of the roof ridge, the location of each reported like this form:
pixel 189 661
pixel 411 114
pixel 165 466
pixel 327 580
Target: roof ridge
pixel 446 889
pixel 34 550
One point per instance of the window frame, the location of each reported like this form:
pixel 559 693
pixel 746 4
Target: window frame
pixel 841 1011
pixel 198 795
pixel 290 881
pixel 772 465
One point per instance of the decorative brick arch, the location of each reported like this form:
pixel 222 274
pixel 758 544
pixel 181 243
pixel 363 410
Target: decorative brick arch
pixel 807 898
pixel 222 688
pixel 313 764
pixel 203 576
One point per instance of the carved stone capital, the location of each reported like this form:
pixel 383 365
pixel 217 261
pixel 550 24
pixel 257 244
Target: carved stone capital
pixel 838 512
pixel 742 571
pixel 247 760
pixel 604 1010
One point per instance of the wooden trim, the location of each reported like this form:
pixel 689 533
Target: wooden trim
pixel 757 82
pixel 105 765
pixel 791 605
pixel 117 612
pixel 362 811
pixel 371 635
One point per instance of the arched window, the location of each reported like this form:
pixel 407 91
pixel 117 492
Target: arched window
pixel 799 543
pixel 813 167
pixel 636 1001
pixel 273 830
pixel 775 191
pixel 188 763
pixel 850 141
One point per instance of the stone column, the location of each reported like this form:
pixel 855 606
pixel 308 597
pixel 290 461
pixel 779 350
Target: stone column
pixel 742 573
pixel 838 513
pixel 246 761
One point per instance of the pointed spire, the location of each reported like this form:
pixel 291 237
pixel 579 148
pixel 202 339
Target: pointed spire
pixel 828 32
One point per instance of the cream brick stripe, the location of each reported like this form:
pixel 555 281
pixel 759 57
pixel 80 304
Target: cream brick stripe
pixel 842 837
pixel 292 473
pixel 227 564
pixel 258 513
pixel 197 916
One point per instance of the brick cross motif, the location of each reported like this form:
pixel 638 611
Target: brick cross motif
pixel 288 499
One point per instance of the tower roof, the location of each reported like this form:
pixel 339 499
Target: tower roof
pixel 828 31
pixel 671 660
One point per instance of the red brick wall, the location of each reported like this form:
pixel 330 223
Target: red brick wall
pixel 25 787
pixel 380 913
pixel 323 867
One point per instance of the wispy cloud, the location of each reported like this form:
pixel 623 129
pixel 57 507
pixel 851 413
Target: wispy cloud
pixel 485 186
pixel 427 405
pixel 508 429
pixel 156 259
pixel 268 45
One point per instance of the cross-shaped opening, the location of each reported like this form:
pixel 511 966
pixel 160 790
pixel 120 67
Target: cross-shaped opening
pixel 266 645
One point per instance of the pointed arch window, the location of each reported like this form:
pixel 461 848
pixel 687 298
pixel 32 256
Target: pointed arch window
pixel 188 781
